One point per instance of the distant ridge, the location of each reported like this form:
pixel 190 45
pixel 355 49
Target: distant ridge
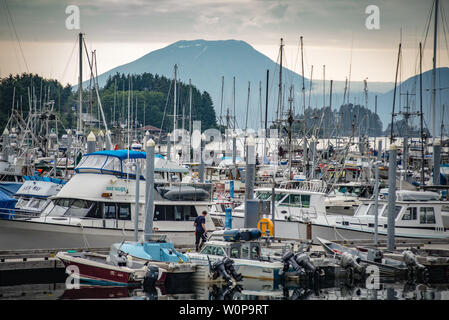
pixel 206 61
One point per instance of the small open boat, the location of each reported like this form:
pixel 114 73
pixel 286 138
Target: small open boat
pixel 388 267
pixel 109 270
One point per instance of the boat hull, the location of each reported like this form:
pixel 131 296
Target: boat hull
pixel 25 234
pixel 98 275
pixel 298 230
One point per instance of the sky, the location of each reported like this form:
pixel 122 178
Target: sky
pixel 34 36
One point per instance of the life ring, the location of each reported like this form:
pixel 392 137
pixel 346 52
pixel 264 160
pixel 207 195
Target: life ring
pixel 262 226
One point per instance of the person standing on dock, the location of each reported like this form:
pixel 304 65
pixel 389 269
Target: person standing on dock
pixel 200 230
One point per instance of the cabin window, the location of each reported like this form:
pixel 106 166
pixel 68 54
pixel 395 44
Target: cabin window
pixel 112 164
pixel 218 251
pixel 124 211
pixel 263 195
pixel 297 200
pixel 363 209
pixel 22 203
pixel 234 252
pixel 96 161
pixel 37 204
pixel 96 212
pixel 79 208
pixel 109 211
pixel 410 214
pixel 175 213
pixel 207 250
pixel 245 252
pixel 426 215
pixel 255 252
pixel 396 212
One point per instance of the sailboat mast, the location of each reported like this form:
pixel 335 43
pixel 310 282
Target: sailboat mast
pixel 434 71
pixel 394 94
pixel 174 102
pixel 80 83
pixel 421 114
pixel 280 83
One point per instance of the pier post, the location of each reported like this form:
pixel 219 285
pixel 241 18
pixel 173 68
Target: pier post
pixel 100 145
pixel 436 162
pixel 249 175
pixel 5 144
pixel 201 168
pixel 136 216
pixel 91 140
pixel 108 143
pixel 391 196
pixel 149 189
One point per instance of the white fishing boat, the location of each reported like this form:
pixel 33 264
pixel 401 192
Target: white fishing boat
pixel 300 214
pixel 290 206
pixel 241 246
pixel 97 206
pixel 34 195
pixel 417 215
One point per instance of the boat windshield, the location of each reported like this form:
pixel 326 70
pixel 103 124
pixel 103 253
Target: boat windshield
pixel 263 195
pixel 397 210
pixel 71 207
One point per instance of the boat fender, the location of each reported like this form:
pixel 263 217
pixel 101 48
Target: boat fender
pixel 266 225
pixel 151 277
pixel 229 266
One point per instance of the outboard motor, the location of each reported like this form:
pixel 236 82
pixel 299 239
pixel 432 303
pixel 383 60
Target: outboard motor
pixel 303 260
pixel 378 256
pixel 119 259
pixel 218 269
pixel 348 261
pixel 416 270
pixel 289 260
pixel 225 269
pixel 229 267
pixel 300 262
pixel 150 278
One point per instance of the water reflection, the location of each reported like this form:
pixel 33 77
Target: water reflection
pixel 248 289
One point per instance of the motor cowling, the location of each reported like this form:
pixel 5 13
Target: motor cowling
pixel 289 260
pixel 303 260
pixel 229 266
pixel 219 270
pixel 151 277
pixel 347 260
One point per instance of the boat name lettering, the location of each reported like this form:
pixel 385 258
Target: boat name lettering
pixel 122 189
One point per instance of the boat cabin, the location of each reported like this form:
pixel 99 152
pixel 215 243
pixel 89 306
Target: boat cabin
pixel 413 209
pixel 121 163
pixel 234 250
